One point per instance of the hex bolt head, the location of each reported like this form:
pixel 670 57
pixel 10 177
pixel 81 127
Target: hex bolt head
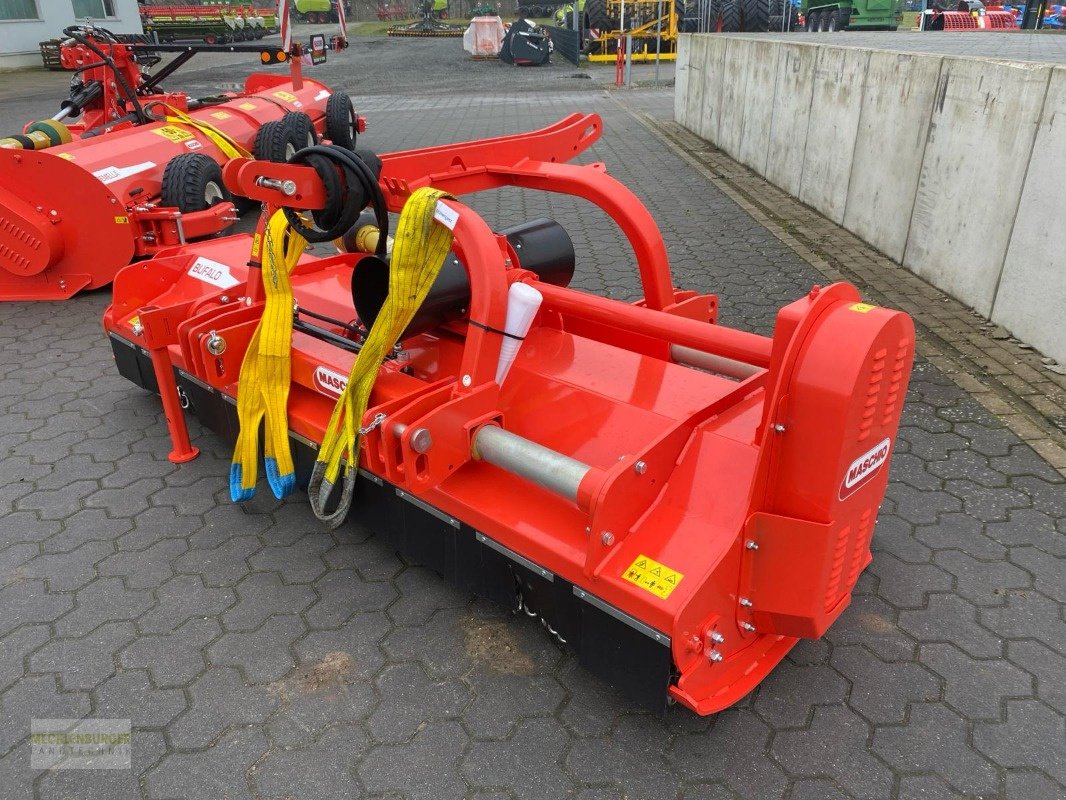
pixel 716 637
pixel 744 601
pixel 640 468
pixel 607 538
pixel 714 655
pixel 751 544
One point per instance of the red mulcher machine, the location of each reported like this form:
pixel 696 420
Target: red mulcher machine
pixel 680 502
pixel 140 170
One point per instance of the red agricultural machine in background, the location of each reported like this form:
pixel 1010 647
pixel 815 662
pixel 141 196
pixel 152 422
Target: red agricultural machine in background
pixel 678 501
pixel 126 168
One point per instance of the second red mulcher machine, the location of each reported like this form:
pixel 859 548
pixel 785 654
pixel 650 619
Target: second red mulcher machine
pixel 680 502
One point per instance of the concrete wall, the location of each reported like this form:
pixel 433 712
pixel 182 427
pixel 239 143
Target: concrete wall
pixel 954 167
pixel 19 39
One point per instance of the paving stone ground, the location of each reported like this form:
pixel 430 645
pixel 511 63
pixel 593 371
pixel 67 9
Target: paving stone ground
pixel 260 656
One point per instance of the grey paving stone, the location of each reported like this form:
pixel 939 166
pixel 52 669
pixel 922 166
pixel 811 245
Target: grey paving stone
pixel 322 770
pixel 340 594
pixel 36 697
pixel 500 699
pixel 130 695
pixel 1049 571
pixel 359 637
pixel 786 699
pixel 219 700
pixel 427 768
pixel 1046 666
pixel 881 691
pixel 224 565
pixel 183 598
pixel 949 618
pixel 1024 785
pixel 221 771
pixel 147 568
pixel 177 658
pixel 1033 736
pixel 935 741
pixel 976 688
pixel 262 655
pixel 75 784
pixel 84 662
pixel 927 787
pixel 984 583
pixel 1028 615
pixel 528 762
pixel 15 647
pixel 299 562
pixel 410 699
pixel 27 602
pixel 908 585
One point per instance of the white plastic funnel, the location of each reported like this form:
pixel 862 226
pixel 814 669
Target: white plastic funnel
pixel 523 302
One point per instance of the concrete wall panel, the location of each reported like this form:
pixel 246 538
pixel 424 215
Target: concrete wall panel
pixel 736 69
pixel 758 103
pixel 794 81
pixel 893 127
pixel 839 74
pixel 682 70
pixel 1031 302
pixel 981 135
pixel 713 89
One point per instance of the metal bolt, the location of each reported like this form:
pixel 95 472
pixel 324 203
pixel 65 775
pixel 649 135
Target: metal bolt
pixel 138 328
pixel 216 345
pixel 748 627
pixel 607 538
pixel 744 601
pixel 224 299
pixel 779 428
pixel 714 655
pixel 467 380
pixel 640 468
pixel 716 637
pixel 751 544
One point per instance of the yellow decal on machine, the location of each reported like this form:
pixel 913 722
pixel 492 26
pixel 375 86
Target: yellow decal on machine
pixel 221 114
pixel 247 106
pixel 651 576
pixel 174 133
pixel 862 308
pixel 257 246
pixel 288 97
pixel 122 220
pixel 67 156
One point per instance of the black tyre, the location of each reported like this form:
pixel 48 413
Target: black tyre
pixel 824 17
pixel 340 121
pixel 830 21
pixel 843 17
pixel 812 22
pixel 756 15
pixel 596 16
pixel 275 142
pixel 731 16
pixel 776 23
pixel 193 182
pixel 303 130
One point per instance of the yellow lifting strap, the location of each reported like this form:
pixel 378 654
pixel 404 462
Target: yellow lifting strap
pixel 420 247
pixel 266 373
pixel 223 141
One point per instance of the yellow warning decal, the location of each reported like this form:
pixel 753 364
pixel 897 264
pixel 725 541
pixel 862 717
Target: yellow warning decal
pixel 288 97
pixel 135 321
pixel 862 308
pixel 122 220
pixel 67 156
pixel 257 244
pixel 247 106
pixel 222 114
pixel 651 576
pixel 174 133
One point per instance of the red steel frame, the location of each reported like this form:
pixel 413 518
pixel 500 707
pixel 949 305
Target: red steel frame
pixel 762 491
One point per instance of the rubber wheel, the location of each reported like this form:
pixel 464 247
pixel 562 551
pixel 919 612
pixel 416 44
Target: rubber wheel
pixel 843 17
pixel 303 130
pixel 596 16
pixel 340 121
pixel 731 16
pixel 830 21
pixel 823 20
pixel 193 182
pixel 776 23
pixel 812 22
pixel 756 16
pixel 275 142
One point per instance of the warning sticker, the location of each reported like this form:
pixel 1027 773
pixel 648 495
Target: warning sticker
pixel 122 220
pixel 862 308
pixel 223 114
pixel 247 106
pixel 288 97
pixel 67 156
pixel 174 133
pixel 650 575
pixel 446 216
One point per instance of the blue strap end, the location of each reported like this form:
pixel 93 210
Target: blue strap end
pixel 236 493
pixel 281 485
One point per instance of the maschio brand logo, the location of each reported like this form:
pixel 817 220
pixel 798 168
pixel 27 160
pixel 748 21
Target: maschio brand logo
pixel 330 382
pixel 865 467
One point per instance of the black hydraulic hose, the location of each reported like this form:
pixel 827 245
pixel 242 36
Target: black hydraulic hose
pixel 345 199
pixel 138 110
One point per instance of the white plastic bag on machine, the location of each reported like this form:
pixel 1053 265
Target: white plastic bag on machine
pixel 484 36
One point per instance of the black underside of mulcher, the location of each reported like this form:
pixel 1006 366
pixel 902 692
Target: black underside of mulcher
pixel 626 654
